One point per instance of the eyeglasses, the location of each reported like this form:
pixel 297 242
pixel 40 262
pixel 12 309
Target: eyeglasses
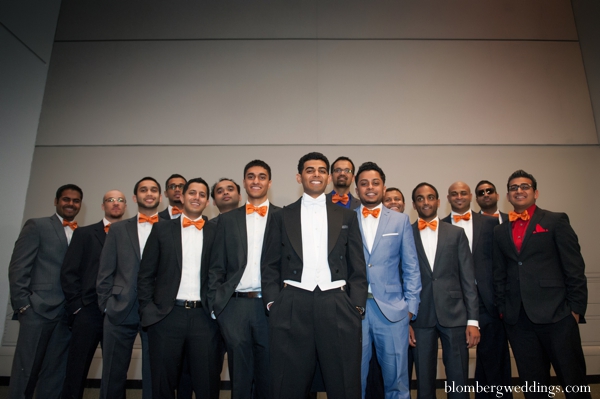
pixel 523 187
pixel 113 199
pixel 340 170
pixel 488 191
pixel 175 186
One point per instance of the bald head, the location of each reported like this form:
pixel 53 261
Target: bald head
pixel 459 197
pixel 114 205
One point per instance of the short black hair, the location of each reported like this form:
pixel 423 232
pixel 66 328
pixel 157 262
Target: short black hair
pixel 312 156
pixel 212 192
pixel 396 189
pixel 366 166
pixel 343 158
pixel 174 176
pixel 522 173
pixel 73 187
pixel 196 180
pixel 135 188
pixel 257 162
pixel 437 195
pixel 485 182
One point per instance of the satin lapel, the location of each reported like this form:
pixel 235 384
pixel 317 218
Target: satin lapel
pixel 420 249
pixel 293 226
pixel 60 230
pixel 476 229
pixel 335 218
pixel 384 218
pixel 508 233
pixel 176 234
pixel 131 228
pixel 538 215
pixel 240 218
pixel 99 232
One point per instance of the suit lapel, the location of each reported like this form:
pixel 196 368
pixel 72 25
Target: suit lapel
pixel 362 233
pixel 131 228
pixel 293 226
pixel 241 224
pixel 420 249
pixel 476 229
pixel 441 243
pixel 538 215
pixel 384 218
pixel 99 232
pixel 176 234
pixel 335 219
pixel 60 230
pixel 508 233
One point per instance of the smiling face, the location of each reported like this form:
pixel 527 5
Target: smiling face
pixel 370 188
pixel 426 203
pixel 148 195
pixel 394 200
pixel 314 177
pixel 194 200
pixel 68 204
pixel 459 196
pixel 173 191
pixel 521 199
pixel 257 184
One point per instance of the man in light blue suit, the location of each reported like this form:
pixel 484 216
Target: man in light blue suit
pixel 389 247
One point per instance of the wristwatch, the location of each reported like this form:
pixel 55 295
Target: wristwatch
pixel 361 310
pixel 24 308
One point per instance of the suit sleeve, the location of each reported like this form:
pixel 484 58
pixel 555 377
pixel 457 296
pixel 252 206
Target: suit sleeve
pixel 217 269
pixel 411 274
pixel 270 267
pixel 357 269
pixel 149 269
pixel 21 263
pixel 107 269
pixel 70 277
pixel 573 265
pixel 467 277
pixel 499 271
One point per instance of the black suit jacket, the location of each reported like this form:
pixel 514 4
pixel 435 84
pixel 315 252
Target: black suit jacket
pixel 230 256
pixel 159 276
pixel 448 294
pixel 354 202
pixel 80 267
pixel 547 276
pixel 483 249
pixel 283 258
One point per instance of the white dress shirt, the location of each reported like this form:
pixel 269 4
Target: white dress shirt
pixel 192 241
pixel 144 230
pixel 68 230
pixel 255 231
pixel 430 240
pixel 467 225
pixel 314 226
pixel 171 213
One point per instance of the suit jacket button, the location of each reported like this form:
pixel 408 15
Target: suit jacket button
pixel 294 272
pixel 337 270
pixel 341 257
pixel 370 265
pixel 520 263
pixel 289 257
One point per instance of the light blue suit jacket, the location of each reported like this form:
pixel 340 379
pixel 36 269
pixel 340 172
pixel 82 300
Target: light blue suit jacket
pixel 393 266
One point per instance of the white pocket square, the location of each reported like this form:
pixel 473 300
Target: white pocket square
pixel 390 234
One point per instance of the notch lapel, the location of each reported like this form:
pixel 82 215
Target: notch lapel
pixel 99 232
pixel 476 229
pixel 538 215
pixel 241 224
pixel 362 233
pixel 419 246
pixel 131 228
pixel 60 230
pixel 441 243
pixel 335 220
pixel 384 218
pixel 176 234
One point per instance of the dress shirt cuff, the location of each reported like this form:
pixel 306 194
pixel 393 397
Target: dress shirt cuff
pixel 473 323
pixel 212 315
pixel 269 305
pixel 413 307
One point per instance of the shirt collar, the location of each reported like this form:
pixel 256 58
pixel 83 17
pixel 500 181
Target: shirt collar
pixel 460 214
pixel 307 200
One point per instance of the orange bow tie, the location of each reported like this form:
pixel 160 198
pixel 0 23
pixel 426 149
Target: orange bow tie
pixel 150 219
pixel 458 218
pixel 423 224
pixel 375 212
pixel 199 224
pixel 494 215
pixel 261 210
pixel 106 228
pixel 175 211
pixel 343 199
pixel 512 216
pixel 72 225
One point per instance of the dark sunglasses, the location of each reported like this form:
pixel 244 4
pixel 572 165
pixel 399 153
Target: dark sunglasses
pixel 488 191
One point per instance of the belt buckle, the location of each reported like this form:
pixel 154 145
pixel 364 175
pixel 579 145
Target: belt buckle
pixel 185 305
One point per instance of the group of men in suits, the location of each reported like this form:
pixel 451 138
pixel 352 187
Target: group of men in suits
pixel 332 284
